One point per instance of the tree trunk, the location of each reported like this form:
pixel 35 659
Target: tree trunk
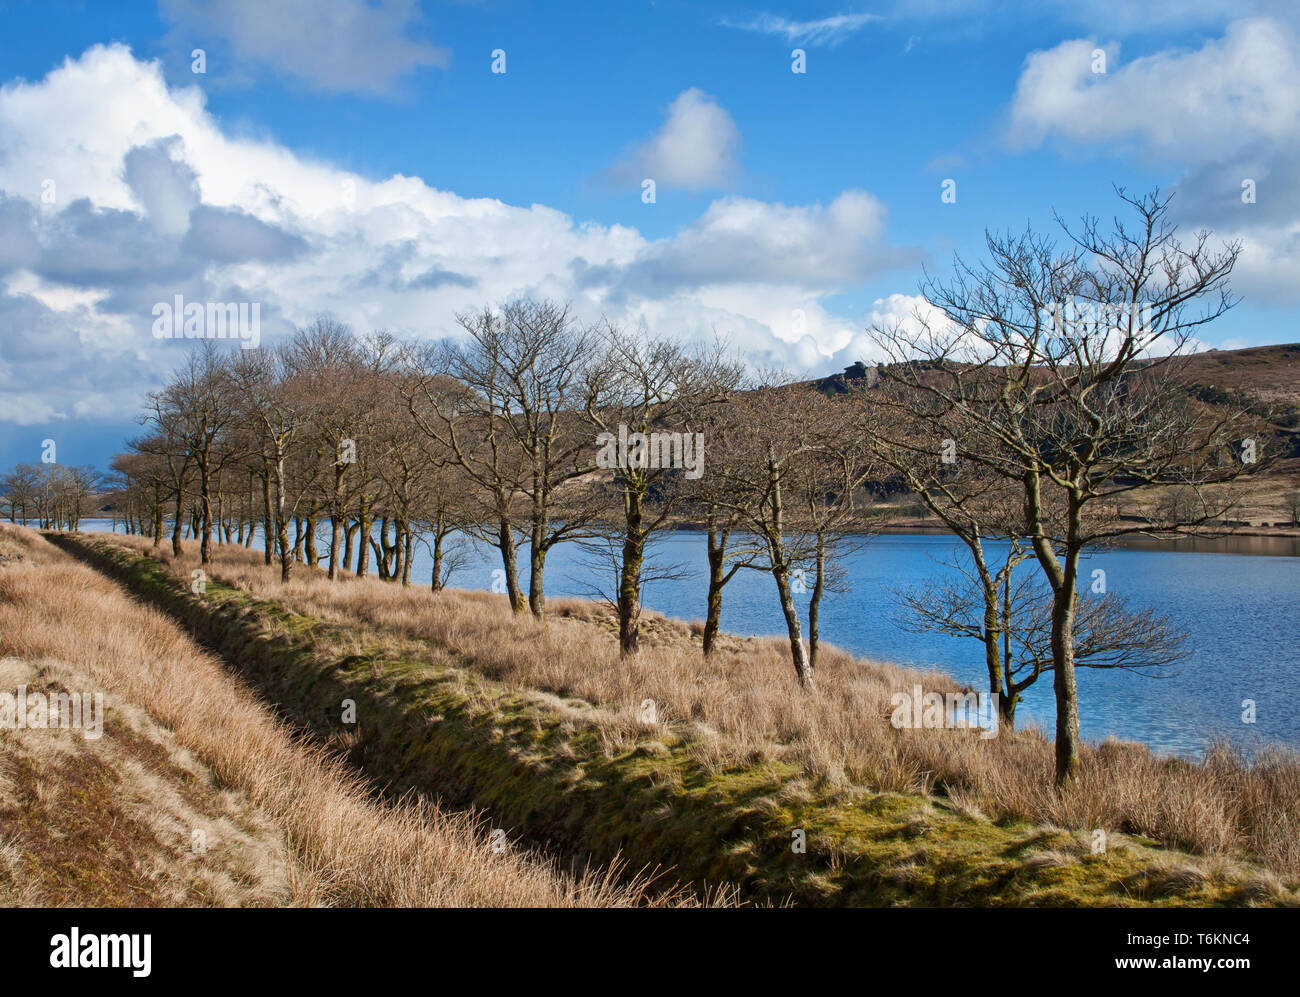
pixel 436 583
pixel 802 668
pixel 349 532
pixel 536 568
pixel 815 603
pixel 717 549
pixel 1066 687
pixel 157 520
pixel 336 537
pixel 205 502
pixel 510 562
pixel 313 555
pixel 363 538
pixel 179 524
pixel 629 582
pixel 282 525
pixel 336 521
pixel 268 526
pixel 406 555
pixel 781 573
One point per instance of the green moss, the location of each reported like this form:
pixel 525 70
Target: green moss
pixel 431 725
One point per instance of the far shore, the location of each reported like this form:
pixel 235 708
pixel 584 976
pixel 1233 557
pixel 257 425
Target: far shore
pixel 1270 541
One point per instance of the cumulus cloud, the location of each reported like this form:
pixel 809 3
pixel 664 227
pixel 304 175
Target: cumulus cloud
pixel 695 148
pixel 163 183
pixel 340 46
pixel 1227 112
pixel 154 199
pixel 739 240
pixel 1194 105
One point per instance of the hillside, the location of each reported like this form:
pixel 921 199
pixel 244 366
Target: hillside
pixel 1263 378
pixel 542 728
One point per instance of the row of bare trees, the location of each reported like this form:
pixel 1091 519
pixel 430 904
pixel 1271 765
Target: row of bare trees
pixel 54 495
pixel 1020 428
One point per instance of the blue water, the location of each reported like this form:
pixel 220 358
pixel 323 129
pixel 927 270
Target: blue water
pixel 1240 610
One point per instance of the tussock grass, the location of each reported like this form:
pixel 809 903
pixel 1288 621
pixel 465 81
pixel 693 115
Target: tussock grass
pixel 742 708
pixel 111 820
pixel 345 847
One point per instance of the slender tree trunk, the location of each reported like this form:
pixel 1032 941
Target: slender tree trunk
pixel 815 603
pixel 336 521
pixel 781 574
pixel 157 520
pixel 268 528
pixel 629 583
pixel 179 523
pixel 510 563
pixel 363 538
pixel 798 654
pixel 406 555
pixel 537 568
pixel 282 525
pixel 717 550
pixel 205 503
pixel 313 556
pixel 436 583
pixel 349 532
pixel 1012 696
pixel 336 537
pixel 1064 681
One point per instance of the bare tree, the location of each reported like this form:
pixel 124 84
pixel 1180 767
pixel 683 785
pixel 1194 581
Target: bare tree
pixel 202 395
pixel 1108 633
pixel 794 473
pixel 282 407
pixel 544 360
pixel 459 397
pixel 651 393
pixel 1040 370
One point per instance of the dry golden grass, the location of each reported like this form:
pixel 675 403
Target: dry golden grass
pixel 346 848
pixel 743 706
pixel 127 819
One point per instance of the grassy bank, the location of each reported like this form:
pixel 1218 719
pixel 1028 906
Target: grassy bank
pixel 540 727
pixel 185 746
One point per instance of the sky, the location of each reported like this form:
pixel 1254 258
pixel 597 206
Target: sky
pixel 394 163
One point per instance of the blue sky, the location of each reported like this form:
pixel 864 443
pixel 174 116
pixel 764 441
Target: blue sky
pixel 776 192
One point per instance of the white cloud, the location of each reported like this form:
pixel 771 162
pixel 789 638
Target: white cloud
pixel 742 241
pixel 339 46
pixel 1227 112
pixel 1194 105
pixel 154 200
pixel 694 149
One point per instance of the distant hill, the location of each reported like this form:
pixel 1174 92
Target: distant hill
pixel 1264 379
pixel 1267 374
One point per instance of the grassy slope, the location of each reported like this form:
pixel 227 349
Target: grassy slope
pixel 540 766
pixel 187 746
pixel 111 820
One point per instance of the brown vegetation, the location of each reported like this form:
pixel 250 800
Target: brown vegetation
pixel 58 804
pixel 735 708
